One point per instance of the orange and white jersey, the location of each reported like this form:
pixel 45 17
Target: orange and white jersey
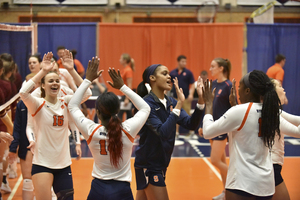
pixel 63 92
pixel 66 79
pixel 289 125
pixel 97 137
pixel 250 168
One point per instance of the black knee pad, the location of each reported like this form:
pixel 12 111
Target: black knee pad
pixel 64 194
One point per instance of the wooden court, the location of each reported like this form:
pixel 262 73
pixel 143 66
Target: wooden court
pixel 187 178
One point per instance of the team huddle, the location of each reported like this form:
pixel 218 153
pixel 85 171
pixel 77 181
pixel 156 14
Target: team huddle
pixel 254 128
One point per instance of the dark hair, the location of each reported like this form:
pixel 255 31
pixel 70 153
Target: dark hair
pixel 8 66
pixel 74 52
pixel 279 58
pixel 225 63
pixel 181 57
pixel 270 119
pixel 37 56
pixel 129 60
pixel 203 73
pixel 6 57
pixel 142 89
pixel 108 105
pixel 43 93
pixel 60 47
pixel 1 64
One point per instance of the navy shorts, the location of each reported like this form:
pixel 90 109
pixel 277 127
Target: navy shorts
pixel 221 137
pixel 277 174
pixel 62 178
pixel 110 189
pixel 246 194
pixel 145 176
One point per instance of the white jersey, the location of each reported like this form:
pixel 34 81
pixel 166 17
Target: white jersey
pixel 64 90
pixel 52 148
pixel 288 126
pixel 66 79
pixel 97 138
pixel 250 168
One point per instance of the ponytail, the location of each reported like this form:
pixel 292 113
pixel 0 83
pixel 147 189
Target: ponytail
pixel 108 105
pixel 226 64
pixel 270 114
pixel 115 144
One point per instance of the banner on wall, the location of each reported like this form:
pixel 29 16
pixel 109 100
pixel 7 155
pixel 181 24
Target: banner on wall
pixel 262 2
pixel 65 2
pixel 168 2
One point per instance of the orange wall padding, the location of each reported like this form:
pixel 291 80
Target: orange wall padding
pixel 163 43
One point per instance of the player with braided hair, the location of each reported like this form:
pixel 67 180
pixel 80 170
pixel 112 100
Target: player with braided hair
pixel 251 127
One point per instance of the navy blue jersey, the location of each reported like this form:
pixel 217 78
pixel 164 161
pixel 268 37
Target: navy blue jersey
pixel 221 101
pixel 19 132
pixel 157 137
pixel 184 80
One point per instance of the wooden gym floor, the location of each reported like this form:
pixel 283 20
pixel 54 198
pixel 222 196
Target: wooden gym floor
pixel 190 174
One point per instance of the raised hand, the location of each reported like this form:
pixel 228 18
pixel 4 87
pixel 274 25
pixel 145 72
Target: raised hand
pixel 46 64
pixel 116 78
pixel 232 96
pixel 179 92
pixel 67 60
pixel 208 94
pixel 92 71
pixel 199 86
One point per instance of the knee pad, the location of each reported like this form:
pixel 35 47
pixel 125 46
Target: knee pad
pixel 27 185
pixel 64 194
pixel 1 166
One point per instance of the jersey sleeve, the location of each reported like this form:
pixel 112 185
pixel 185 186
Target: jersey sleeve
pixel 74 130
pixel 230 121
pixel 288 128
pixel 131 125
pixel 31 102
pixel 29 128
pixel 85 125
pixel 294 119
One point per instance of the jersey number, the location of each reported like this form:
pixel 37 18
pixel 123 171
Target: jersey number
pixel 259 122
pixel 103 147
pixel 58 120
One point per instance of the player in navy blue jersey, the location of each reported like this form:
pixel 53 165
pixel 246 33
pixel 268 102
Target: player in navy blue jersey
pixel 220 69
pixel 157 137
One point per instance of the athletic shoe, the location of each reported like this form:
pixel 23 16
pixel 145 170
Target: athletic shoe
pixel 6 188
pixel 220 196
pixel 12 173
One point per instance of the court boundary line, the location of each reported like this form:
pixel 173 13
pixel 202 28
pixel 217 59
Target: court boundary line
pixel 206 161
pixel 13 192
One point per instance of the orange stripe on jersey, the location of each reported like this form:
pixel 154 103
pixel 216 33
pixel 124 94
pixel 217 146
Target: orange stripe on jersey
pixel 227 83
pixel 245 117
pixel 91 136
pixel 63 91
pixel 39 108
pixel 128 135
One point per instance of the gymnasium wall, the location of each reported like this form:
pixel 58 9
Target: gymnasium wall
pixel 163 43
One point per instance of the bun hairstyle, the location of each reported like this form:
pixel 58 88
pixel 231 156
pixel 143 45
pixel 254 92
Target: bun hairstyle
pixel 108 105
pixel 262 87
pixel 43 93
pixel 129 60
pixel 226 64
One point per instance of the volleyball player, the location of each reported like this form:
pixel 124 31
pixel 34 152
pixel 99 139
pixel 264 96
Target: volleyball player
pixel 51 161
pixel 111 141
pixel 157 137
pixel 252 127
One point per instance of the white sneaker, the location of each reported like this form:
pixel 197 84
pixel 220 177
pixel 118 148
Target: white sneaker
pixel 6 188
pixel 12 173
pixel 220 196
